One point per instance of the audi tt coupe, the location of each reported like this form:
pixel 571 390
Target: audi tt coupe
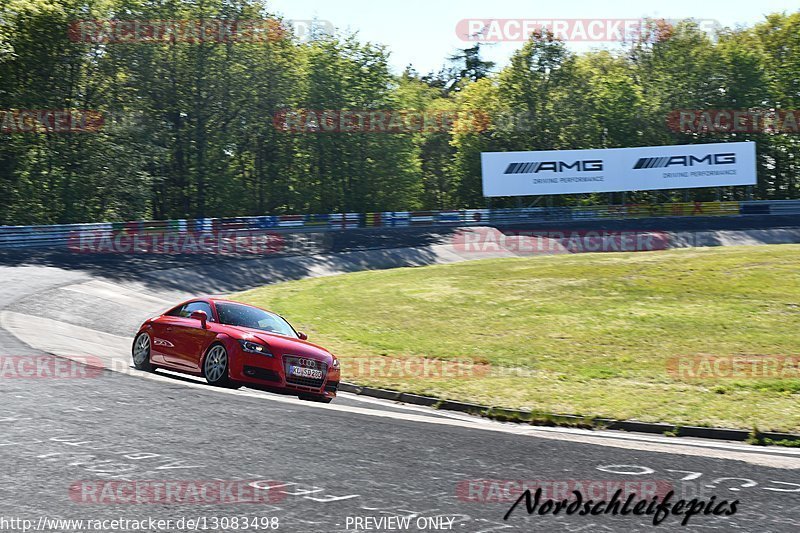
pixel 231 344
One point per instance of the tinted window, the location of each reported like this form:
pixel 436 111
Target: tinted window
pixel 251 317
pixel 185 311
pixel 190 308
pixel 176 311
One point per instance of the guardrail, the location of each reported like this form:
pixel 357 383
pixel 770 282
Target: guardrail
pixel 61 235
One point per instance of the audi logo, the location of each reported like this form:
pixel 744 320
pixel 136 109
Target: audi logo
pixel 308 362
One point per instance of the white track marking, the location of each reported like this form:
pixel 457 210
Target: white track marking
pixel 66 340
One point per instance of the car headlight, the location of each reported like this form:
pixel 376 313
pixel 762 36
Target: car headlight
pixel 254 347
pixel 335 364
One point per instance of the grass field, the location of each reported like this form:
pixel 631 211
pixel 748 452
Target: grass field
pixel 588 334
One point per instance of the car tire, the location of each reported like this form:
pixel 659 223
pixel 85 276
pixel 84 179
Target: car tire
pixel 140 352
pixel 215 366
pixel 314 398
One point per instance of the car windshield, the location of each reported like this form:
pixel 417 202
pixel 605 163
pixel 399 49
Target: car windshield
pixel 254 318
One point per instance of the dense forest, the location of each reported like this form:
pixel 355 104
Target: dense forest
pixel 195 127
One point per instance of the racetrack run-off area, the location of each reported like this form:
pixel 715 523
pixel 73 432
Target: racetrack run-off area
pixel 652 336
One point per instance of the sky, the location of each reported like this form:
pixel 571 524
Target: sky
pixel 423 32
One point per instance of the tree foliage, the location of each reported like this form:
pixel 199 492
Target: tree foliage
pixel 190 126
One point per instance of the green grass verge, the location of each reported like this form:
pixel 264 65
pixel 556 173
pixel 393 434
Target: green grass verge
pixel 588 335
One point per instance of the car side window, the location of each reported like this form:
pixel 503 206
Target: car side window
pixel 188 309
pixel 175 311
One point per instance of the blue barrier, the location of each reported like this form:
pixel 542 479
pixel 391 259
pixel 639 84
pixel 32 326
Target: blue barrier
pixel 61 235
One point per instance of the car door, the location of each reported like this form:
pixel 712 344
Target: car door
pixel 189 337
pixel 163 346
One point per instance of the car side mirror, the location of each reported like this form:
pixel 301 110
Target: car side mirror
pixel 201 316
pixel 303 336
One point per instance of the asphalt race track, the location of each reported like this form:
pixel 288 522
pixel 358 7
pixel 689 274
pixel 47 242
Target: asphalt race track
pixel 327 464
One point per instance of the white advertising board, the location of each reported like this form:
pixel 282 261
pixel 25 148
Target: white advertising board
pixel 618 169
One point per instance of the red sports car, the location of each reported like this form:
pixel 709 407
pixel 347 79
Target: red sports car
pixel 231 344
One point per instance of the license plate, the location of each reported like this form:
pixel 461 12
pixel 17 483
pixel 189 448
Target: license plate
pixel 304 372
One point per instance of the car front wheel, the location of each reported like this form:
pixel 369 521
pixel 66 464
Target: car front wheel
pixel 215 368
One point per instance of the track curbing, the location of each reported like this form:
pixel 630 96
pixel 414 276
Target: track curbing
pixel 553 419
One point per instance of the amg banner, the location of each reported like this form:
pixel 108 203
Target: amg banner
pixel 618 169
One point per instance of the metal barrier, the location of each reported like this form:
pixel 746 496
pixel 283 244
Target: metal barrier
pixel 61 235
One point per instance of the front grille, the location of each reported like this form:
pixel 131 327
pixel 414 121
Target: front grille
pixel 305 382
pixel 289 360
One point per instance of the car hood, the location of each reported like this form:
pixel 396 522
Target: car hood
pixel 280 345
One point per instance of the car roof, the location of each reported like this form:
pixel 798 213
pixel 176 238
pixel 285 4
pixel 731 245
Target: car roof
pixel 214 299
pixel 224 300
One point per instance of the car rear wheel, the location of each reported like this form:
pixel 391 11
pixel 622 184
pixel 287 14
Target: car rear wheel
pixel 215 368
pixel 141 353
